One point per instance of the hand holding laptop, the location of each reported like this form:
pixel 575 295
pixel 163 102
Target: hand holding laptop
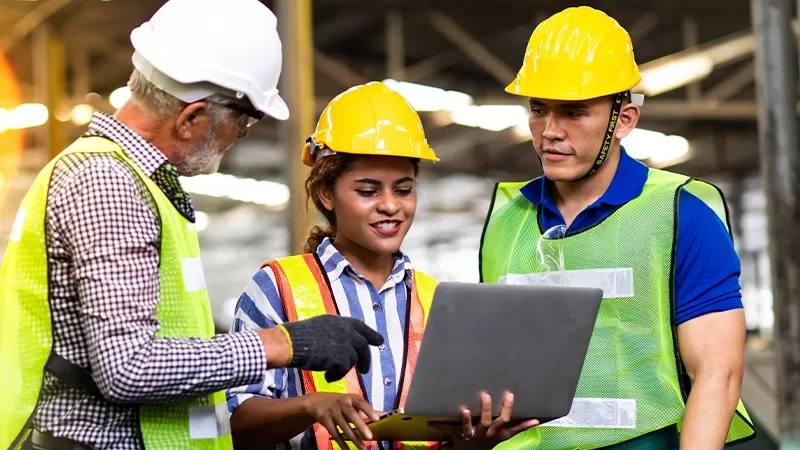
pixel 342 410
pixel 487 433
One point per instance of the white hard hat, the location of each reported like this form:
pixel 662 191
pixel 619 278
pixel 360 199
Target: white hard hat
pixel 195 48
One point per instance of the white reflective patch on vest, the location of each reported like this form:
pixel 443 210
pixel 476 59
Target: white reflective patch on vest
pixel 209 422
pixel 193 278
pixel 191 228
pixel 598 413
pixel 19 223
pixel 615 283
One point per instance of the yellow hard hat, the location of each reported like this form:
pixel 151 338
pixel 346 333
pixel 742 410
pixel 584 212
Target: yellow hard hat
pixel 579 53
pixel 369 119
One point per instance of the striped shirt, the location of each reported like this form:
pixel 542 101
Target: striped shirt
pixel 384 309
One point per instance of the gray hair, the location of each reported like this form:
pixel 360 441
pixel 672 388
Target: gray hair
pixel 163 105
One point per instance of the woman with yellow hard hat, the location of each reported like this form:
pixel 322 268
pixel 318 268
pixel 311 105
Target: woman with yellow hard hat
pixel 664 365
pixel 364 157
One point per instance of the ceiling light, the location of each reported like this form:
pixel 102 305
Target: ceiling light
pixel 63 113
pixel 675 74
pixel 429 98
pixel 672 148
pixel 26 115
pixel 490 117
pixel 119 96
pixel 261 192
pixel 81 114
pixel 655 147
pixel 4 119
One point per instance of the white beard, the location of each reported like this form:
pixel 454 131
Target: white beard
pixel 203 159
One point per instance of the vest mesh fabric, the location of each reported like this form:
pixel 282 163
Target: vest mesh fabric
pixel 183 311
pixel 633 350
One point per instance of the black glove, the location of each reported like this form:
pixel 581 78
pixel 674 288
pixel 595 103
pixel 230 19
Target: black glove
pixel 333 344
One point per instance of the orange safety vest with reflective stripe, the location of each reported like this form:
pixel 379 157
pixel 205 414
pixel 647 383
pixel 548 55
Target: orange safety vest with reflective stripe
pixel 305 292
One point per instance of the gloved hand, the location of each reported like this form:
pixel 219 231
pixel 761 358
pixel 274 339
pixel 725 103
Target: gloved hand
pixel 330 343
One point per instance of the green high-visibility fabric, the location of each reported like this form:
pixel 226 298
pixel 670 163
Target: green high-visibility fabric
pixel 26 337
pixel 633 353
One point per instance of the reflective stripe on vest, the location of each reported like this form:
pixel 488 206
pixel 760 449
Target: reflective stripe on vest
pixel 306 293
pixel 633 381
pixel 183 311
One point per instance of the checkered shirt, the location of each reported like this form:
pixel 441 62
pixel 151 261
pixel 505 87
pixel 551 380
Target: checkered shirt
pixel 103 241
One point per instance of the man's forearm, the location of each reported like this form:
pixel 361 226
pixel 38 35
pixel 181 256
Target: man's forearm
pixel 709 411
pixel 168 369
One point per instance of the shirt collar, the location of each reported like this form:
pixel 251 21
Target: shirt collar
pixel 627 184
pixel 144 154
pixel 335 264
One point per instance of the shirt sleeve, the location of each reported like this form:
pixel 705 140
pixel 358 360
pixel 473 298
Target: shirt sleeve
pixel 707 267
pixel 113 239
pixel 260 306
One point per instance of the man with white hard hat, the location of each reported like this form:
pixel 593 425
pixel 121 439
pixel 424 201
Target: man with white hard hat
pixel 106 334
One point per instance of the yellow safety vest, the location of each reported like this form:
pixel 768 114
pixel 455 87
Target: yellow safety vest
pixel 305 293
pixel 633 381
pixel 26 331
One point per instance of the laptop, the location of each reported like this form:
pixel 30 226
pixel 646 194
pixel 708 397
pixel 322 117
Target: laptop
pixel 529 340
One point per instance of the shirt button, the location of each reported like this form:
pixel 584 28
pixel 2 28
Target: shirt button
pixel 376 307
pixel 382 346
pixel 387 382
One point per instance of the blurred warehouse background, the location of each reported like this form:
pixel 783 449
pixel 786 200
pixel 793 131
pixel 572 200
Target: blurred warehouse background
pixel 62 59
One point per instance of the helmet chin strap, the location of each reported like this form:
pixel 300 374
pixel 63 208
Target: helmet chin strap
pixel 616 106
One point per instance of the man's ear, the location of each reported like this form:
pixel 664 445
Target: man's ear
pixel 627 121
pixel 191 121
pixel 326 198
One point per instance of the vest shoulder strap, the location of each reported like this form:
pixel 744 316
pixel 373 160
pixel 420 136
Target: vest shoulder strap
pixel 708 193
pixel 92 144
pixel 664 177
pixel 504 193
pixel 303 286
pixel 712 196
pixel 424 286
pixel 62 369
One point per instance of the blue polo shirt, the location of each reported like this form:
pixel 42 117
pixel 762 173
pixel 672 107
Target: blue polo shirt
pixel 707 267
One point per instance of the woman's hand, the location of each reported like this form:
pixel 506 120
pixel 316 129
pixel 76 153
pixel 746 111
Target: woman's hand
pixel 332 410
pixel 488 433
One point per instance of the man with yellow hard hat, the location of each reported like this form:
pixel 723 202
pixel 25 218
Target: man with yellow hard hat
pixel 664 366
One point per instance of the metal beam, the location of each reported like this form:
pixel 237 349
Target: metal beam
pixel 342 27
pixel 776 91
pixel 81 80
pixel 30 22
pixel 337 70
pixel 434 64
pixel 472 48
pixel 646 23
pixel 395 46
pixel 732 85
pixel 50 84
pixel 691 40
pixel 723 51
pixel 680 110
pixel 430 66
pixel 297 82
pixel 95 43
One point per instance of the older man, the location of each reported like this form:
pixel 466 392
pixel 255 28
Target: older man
pixel 107 339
